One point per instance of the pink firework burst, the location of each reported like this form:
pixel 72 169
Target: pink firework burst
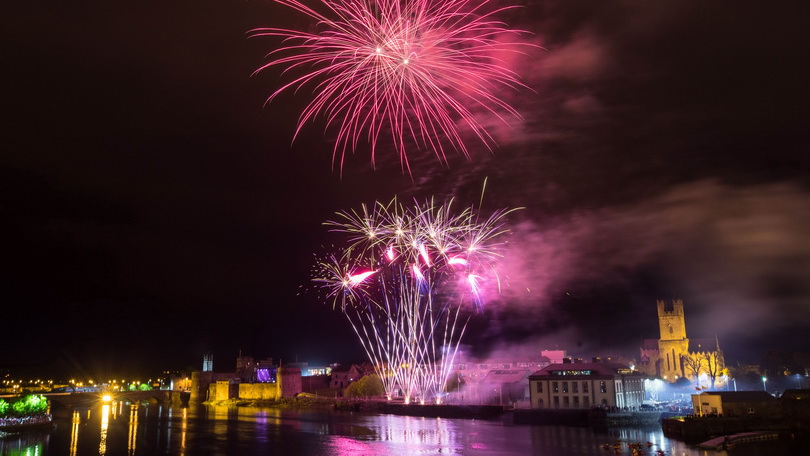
pixel 416 71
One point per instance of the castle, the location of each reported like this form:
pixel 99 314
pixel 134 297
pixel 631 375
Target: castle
pixel 673 355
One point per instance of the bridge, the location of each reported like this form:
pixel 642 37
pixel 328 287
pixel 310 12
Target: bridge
pixel 151 396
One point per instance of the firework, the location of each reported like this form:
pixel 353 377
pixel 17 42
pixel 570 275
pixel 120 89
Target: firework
pixel 406 280
pixel 415 71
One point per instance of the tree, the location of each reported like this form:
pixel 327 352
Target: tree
pixel 30 404
pixel 370 385
pixel 4 406
pixel 692 365
pixel 714 364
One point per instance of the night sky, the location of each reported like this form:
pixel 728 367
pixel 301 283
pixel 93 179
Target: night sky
pixel 153 209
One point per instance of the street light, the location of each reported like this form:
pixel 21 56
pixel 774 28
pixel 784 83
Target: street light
pixel 764 379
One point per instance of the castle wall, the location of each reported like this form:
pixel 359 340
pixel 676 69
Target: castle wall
pixel 289 379
pixel 199 385
pixel 259 391
pixel 223 390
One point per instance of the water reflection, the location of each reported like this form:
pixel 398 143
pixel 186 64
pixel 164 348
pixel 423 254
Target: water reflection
pixel 74 432
pixel 29 445
pixel 183 430
pixel 132 435
pixel 117 429
pixel 105 424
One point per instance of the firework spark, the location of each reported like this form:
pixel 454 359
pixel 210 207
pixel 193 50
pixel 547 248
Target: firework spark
pixel 414 70
pixel 405 281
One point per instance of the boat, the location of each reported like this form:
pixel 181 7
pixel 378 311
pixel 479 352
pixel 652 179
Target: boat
pixel 30 423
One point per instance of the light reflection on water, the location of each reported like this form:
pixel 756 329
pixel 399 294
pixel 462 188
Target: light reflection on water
pixel 122 429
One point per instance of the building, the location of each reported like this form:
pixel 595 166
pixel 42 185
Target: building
pixel 585 385
pixel 252 379
pixel 735 403
pixel 673 355
pixel 504 387
pixel 342 375
pixel 475 371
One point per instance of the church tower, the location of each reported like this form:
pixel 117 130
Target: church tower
pixel 672 343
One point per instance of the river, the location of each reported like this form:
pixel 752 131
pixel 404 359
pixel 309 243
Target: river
pixel 120 429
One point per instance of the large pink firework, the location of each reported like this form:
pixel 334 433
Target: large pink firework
pixel 418 71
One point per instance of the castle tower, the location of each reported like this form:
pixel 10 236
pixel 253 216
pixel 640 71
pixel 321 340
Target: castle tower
pixel 672 344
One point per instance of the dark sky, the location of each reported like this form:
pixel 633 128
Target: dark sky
pixel 152 209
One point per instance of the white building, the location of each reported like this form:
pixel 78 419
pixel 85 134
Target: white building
pixel 585 385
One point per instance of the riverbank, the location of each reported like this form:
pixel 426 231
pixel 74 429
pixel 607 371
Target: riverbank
pixel 696 429
pixel 301 402
pixel 373 405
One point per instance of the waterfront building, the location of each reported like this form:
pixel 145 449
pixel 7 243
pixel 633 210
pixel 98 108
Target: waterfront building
pixel 343 375
pixel 735 403
pixel 673 355
pixel 252 379
pixel 505 387
pixel 584 385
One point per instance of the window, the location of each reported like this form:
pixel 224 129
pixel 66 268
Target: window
pixel 539 387
pixel 587 401
pixel 539 403
pixel 506 366
pixel 602 387
pixel 555 387
pixel 556 401
pixel 585 387
pixel 576 401
pixel 565 387
pixel 565 402
pixel 750 409
pixel 574 387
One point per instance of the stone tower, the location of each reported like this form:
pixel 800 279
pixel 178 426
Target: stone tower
pixel 672 344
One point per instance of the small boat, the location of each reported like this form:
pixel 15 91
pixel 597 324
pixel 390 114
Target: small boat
pixel 35 423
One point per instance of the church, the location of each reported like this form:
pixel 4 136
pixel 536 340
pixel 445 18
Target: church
pixel 673 355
